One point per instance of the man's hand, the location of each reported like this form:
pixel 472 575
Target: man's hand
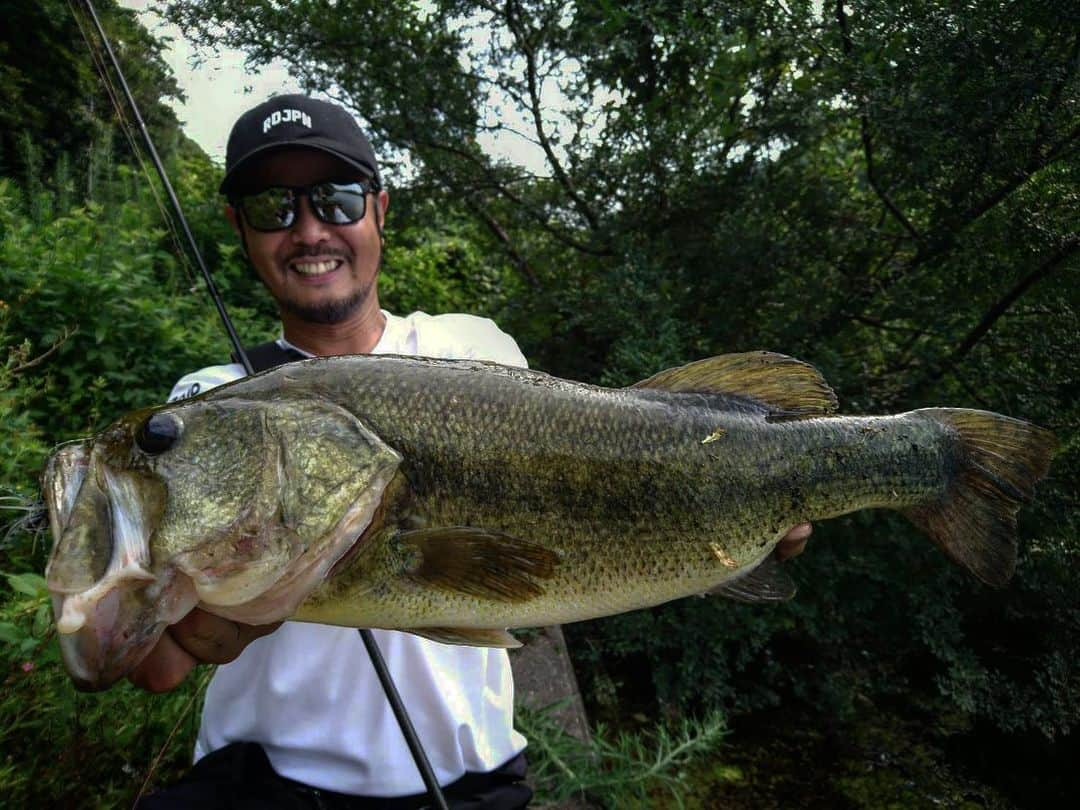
pixel 198 638
pixel 793 543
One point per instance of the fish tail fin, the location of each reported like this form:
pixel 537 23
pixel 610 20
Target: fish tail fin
pixel 998 462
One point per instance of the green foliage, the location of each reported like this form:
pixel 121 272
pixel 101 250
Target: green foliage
pixel 643 769
pixel 99 288
pixel 96 318
pixel 51 94
pixel 23 445
pixel 434 262
pixel 887 191
pixel 56 741
pixel 893 759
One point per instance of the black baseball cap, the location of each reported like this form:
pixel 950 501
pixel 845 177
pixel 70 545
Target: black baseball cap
pixel 296 120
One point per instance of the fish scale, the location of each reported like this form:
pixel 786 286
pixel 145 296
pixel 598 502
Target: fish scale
pixel 655 543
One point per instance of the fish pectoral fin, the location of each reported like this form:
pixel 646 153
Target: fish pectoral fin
pixel 789 388
pixel 480 563
pixel 468 636
pixel 769 582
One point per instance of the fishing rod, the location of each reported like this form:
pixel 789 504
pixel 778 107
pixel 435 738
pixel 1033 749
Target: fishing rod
pixel 210 286
pixel 423 765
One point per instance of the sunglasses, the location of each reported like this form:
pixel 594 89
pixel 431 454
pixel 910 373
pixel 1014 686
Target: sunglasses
pixel 274 209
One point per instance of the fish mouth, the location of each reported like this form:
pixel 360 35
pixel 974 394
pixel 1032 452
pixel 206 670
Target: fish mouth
pixel 109 608
pixel 88 653
pixel 120 629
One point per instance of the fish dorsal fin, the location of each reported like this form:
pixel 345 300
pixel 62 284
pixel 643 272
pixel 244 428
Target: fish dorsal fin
pixel 480 563
pixel 769 582
pixel 789 388
pixel 469 636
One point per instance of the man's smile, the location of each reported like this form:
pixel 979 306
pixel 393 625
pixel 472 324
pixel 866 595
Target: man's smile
pixel 316 269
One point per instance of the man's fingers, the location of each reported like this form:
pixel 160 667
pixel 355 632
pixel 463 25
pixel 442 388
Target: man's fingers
pixel 198 638
pixel 793 543
pixel 164 668
pixel 214 640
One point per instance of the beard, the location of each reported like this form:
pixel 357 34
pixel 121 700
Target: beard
pixel 328 312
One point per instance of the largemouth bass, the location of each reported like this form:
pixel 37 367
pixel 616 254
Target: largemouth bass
pixel 460 499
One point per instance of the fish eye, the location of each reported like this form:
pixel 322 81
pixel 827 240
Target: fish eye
pixel 158 433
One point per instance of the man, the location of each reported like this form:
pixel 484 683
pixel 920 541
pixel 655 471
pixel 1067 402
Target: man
pixel 306 200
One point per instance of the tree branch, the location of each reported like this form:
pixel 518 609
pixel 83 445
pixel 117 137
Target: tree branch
pixel 535 107
pixel 407 136
pixel 999 308
pixel 867 143
pixel 504 239
pixel 885 326
pixel 831 324
pixel 41 358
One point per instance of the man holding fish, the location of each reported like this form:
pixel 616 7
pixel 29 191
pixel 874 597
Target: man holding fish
pixel 306 200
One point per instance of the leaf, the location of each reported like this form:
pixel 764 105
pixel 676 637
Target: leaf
pixel 42 620
pixel 28 584
pixel 10 634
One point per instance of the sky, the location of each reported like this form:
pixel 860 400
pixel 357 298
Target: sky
pixel 219 90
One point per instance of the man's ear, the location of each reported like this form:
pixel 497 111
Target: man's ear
pixel 382 204
pixel 233 217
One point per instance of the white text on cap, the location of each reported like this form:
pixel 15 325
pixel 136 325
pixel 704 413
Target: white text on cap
pixel 286 117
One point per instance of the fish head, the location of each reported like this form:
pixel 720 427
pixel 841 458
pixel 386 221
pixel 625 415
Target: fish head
pixel 238 506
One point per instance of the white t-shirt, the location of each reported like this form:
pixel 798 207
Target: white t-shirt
pixel 308 693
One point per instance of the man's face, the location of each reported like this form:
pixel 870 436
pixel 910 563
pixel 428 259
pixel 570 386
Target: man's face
pixel 317 272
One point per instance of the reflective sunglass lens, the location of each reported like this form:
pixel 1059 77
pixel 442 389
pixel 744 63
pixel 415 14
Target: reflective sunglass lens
pixel 270 210
pixel 339 204
pixel 333 203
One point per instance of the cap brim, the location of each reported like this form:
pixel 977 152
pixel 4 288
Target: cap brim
pixel 318 144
